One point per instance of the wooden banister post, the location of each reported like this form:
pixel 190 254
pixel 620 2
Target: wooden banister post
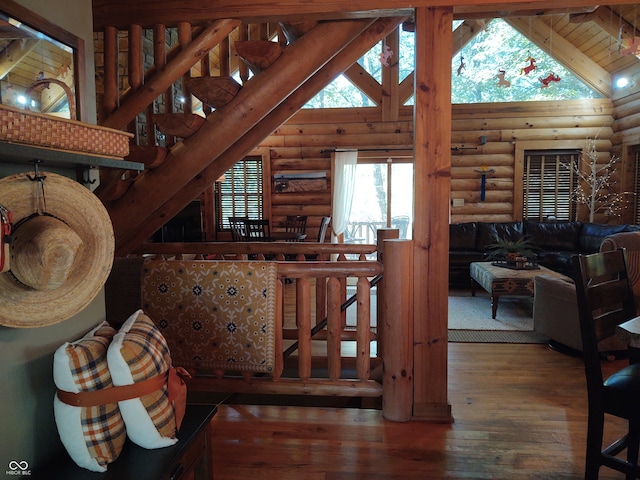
pixel 383 234
pixel 397 380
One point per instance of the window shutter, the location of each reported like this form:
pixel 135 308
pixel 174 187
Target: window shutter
pixel 239 192
pixel 549 182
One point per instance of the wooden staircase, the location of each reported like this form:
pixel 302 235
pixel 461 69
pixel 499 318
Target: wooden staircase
pixel 236 117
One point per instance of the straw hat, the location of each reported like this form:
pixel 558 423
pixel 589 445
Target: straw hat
pixel 62 249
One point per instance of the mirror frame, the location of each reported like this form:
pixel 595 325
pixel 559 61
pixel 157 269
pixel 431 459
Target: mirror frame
pixel 43 25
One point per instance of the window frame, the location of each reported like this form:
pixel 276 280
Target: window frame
pixel 220 224
pixel 521 148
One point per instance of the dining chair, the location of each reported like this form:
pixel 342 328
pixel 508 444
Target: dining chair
pixel 296 224
pixel 258 230
pixel 322 232
pixel 238 228
pixel 605 300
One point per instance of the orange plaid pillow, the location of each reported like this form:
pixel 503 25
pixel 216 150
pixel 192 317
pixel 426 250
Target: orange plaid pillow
pixel 93 436
pixel 138 352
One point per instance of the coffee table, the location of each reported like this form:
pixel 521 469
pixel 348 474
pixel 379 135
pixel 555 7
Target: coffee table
pixel 501 281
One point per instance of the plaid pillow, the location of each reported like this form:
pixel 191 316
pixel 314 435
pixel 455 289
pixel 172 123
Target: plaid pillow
pixel 139 352
pixel 93 436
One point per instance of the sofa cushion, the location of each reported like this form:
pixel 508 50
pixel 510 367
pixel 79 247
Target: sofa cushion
pixel 462 236
pixel 592 235
pixel 489 233
pixel 553 236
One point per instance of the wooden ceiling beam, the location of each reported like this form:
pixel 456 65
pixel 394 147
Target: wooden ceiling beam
pixel 612 23
pixel 564 52
pixel 121 13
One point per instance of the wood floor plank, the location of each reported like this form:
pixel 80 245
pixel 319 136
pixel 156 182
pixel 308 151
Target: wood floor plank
pixel 519 413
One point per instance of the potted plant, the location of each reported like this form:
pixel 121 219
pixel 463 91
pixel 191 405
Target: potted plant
pixel 510 250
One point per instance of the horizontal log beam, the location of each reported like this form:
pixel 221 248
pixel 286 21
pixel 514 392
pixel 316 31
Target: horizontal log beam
pixel 286 386
pixel 122 13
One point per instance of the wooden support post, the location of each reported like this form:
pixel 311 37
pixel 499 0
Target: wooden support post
pixel 110 101
pixel 432 184
pixel 383 234
pixel 303 321
pixel 135 57
pixel 390 77
pixel 397 380
pixel 334 327
pixel 363 327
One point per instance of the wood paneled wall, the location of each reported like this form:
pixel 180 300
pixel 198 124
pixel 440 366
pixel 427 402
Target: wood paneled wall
pixel 626 139
pixel 484 136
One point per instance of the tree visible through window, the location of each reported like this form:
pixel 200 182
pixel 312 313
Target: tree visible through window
pixel 549 182
pixel 239 192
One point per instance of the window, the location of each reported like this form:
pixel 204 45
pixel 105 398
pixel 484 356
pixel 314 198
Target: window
pixel 238 193
pixel 549 181
pixel 383 197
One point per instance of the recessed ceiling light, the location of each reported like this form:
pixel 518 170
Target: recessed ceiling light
pixel 622 82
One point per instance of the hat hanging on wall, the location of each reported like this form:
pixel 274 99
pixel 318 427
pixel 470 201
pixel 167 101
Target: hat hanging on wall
pixel 62 249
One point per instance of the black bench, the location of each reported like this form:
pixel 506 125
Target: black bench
pixel 189 458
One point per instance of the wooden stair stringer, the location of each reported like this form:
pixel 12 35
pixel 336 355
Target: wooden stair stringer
pixel 223 127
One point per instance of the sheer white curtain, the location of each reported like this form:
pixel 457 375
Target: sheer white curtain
pixel 344 183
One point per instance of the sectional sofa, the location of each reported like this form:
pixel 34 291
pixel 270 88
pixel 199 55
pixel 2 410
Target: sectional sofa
pixel 555 242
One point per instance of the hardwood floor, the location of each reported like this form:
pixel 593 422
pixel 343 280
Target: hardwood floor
pixel 520 413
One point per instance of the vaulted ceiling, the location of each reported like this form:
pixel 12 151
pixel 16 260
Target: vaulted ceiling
pixel 593 41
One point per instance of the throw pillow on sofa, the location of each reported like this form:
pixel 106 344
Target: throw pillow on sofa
pixel 137 353
pixel 94 435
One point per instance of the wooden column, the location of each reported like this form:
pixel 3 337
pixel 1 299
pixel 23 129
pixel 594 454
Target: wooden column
pixel 383 234
pixel 432 178
pixel 397 381
pixel 184 39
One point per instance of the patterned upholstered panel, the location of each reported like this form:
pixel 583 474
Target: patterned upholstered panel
pixel 217 315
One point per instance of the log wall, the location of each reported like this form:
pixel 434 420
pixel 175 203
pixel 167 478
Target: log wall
pixel 626 139
pixel 483 136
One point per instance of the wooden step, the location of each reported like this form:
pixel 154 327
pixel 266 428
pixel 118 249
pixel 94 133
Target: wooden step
pixel 152 156
pixel 214 91
pixel 258 54
pixel 181 125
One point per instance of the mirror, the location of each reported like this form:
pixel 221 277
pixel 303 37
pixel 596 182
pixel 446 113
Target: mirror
pixel 37 72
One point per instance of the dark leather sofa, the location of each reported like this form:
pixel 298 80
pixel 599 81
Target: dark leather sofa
pixel 556 243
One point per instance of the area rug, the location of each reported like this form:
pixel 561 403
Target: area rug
pixel 474 313
pixel 470 319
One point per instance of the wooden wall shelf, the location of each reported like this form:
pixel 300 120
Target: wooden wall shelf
pixel 17 153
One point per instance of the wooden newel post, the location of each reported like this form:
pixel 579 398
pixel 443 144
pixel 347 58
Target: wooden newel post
pixel 397 379
pixel 383 234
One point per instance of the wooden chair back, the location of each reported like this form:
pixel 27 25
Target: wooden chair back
pixel 238 228
pixel 258 230
pixel 322 233
pixel 605 300
pixel 296 223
